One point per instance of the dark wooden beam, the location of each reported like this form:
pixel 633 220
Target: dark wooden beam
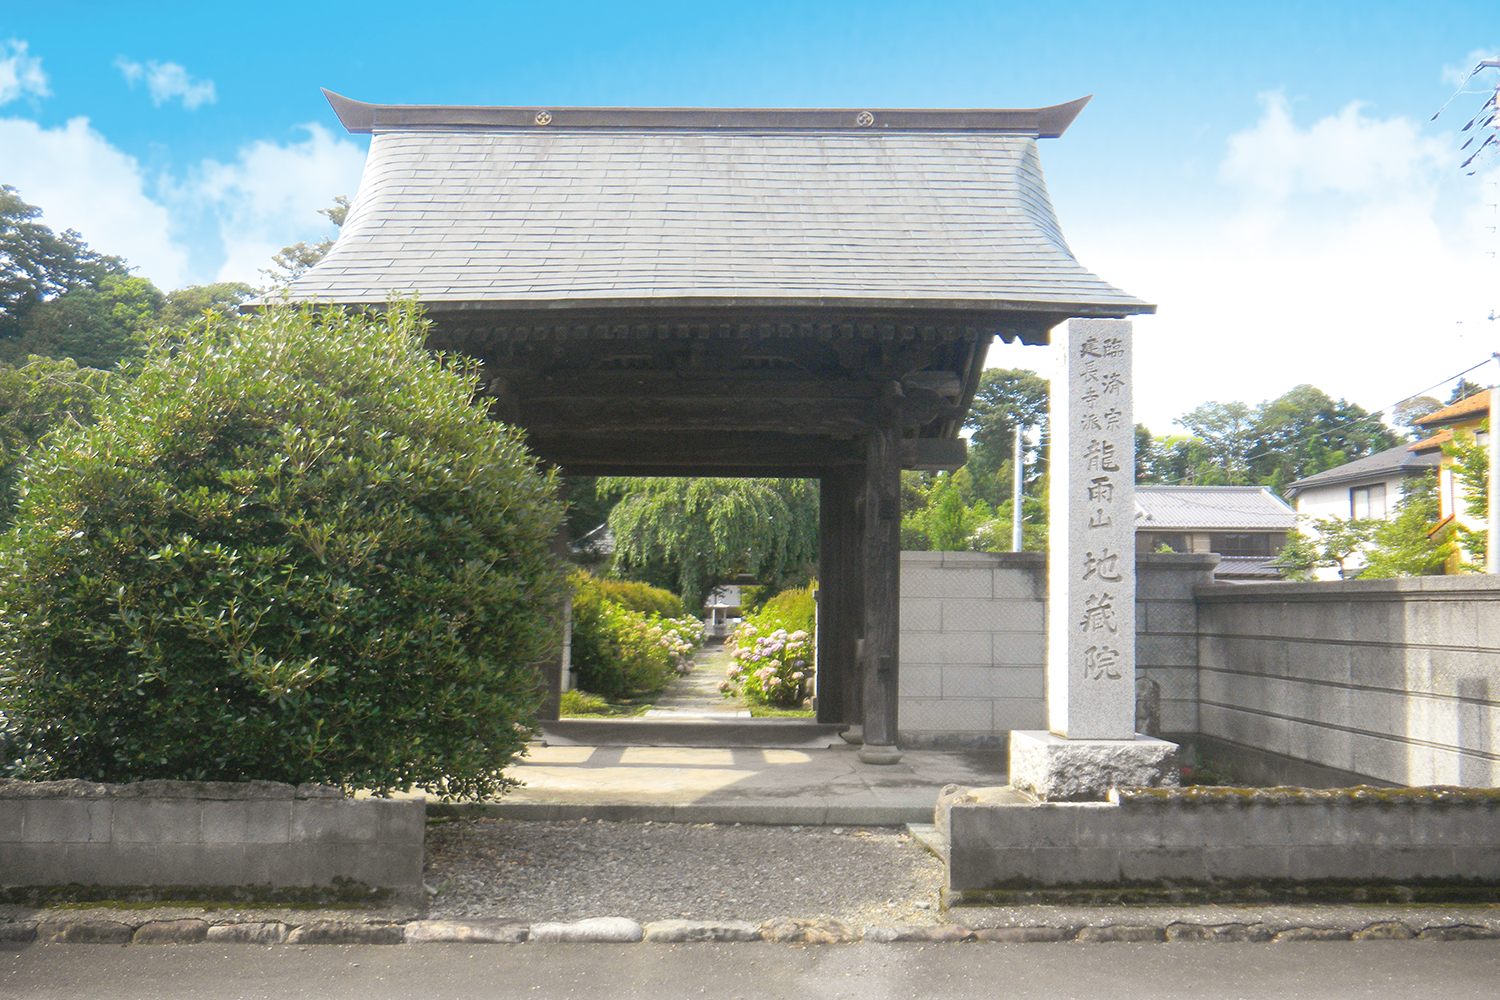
pixel 881 555
pixel 839 597
pixel 575 450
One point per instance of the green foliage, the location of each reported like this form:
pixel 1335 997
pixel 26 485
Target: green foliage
pixel 290 550
pixel 186 306
pixel 1406 413
pixel 644 598
pixel 619 652
pixel 1224 431
pixel 941 513
pixel 1402 545
pixel 37 264
pixel 35 398
pixel 1006 397
pixel 577 703
pixel 711 530
pixel 1304 432
pixel 1336 539
pixel 291 262
pixel 1471 471
pixel 774 659
pixel 1298 434
pixel 96 327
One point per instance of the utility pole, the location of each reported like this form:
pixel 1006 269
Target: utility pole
pixel 1015 494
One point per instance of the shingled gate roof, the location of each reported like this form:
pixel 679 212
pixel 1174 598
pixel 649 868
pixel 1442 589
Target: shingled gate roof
pixel 542 209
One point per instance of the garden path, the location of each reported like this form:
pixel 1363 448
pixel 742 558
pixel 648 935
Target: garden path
pixel 697 696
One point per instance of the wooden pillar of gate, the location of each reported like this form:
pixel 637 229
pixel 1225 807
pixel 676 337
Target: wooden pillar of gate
pixel 881 556
pixel 840 616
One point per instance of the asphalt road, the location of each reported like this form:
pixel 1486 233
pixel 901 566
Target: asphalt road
pixel 1325 971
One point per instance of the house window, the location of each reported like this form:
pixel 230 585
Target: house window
pixel 1240 544
pixel 1367 502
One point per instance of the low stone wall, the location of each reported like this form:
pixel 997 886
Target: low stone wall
pixel 185 833
pixel 997 839
pixel 1397 680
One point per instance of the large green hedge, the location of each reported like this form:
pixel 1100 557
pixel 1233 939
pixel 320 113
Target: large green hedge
pixel 290 549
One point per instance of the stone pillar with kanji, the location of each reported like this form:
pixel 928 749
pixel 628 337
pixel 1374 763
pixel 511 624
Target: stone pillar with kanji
pixel 1091 745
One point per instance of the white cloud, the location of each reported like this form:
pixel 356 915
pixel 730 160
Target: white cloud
pixel 270 195
pixel 82 182
pixel 20 74
pixel 1457 76
pixel 235 215
pixel 1348 253
pixel 166 81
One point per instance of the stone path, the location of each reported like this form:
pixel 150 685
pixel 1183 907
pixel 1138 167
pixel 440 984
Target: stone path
pixel 697 695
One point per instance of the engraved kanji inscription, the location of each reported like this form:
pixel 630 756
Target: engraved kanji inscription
pixel 1100 662
pixel 1099 614
pixel 1100 456
pixel 1105 565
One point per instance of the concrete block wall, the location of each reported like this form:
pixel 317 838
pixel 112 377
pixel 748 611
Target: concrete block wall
pixel 1398 680
pixel 974 635
pixel 972 647
pixel 1166 631
pixel 996 841
pixel 206 834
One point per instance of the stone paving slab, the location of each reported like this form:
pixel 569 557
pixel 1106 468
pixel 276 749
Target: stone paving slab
pixel 753 785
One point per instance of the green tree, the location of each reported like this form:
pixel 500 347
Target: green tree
pixel 1305 431
pixel 1471 471
pixel 1006 397
pixel 1334 542
pixel 1175 460
pixel 706 531
pixel 35 398
pixel 289 549
pixel 1404 545
pixel 291 262
pixel 1225 432
pixel 98 327
pixel 186 306
pixel 1406 413
pixel 37 265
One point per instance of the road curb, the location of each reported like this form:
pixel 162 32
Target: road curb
pixel 780 930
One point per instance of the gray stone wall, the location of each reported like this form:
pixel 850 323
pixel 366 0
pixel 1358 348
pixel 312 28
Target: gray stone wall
pixel 973 647
pixel 974 634
pixel 996 839
pixel 179 833
pixel 1395 679
pixel 1166 626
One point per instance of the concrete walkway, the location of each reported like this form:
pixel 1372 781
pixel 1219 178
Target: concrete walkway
pixel 673 784
pixel 699 758
pixel 697 695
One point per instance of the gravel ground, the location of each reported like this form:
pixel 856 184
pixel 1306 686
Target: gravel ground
pixel 534 871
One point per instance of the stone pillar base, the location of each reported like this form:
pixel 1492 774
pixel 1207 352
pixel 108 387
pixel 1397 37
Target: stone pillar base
pixel 874 754
pixel 1054 769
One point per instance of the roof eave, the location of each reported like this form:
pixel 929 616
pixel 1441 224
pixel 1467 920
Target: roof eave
pixel 1042 123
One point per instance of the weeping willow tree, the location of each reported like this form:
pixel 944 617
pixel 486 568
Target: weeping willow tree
pixel 706 531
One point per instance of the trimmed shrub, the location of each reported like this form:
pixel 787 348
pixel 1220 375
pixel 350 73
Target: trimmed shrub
pixel 773 662
pixel 643 597
pixel 621 653
pixel 292 550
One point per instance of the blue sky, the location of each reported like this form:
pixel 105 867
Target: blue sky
pixel 1266 173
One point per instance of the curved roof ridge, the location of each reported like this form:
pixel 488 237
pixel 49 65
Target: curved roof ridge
pixel 1041 123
